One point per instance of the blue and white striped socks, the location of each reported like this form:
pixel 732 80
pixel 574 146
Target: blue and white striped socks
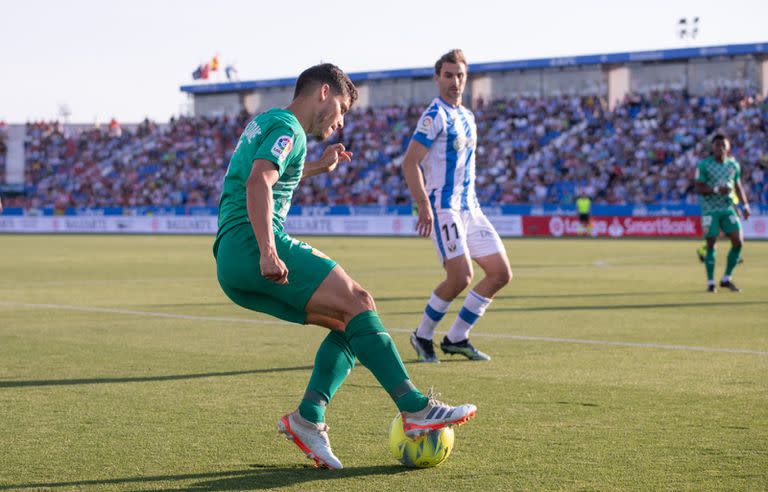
pixel 474 307
pixel 433 313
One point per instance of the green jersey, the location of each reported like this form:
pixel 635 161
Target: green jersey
pixel 717 174
pixel 277 137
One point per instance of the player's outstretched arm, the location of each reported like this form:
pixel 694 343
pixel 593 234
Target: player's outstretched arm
pixel 258 193
pixel 415 180
pixel 332 156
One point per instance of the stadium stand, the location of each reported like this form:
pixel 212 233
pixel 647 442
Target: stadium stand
pixel 3 149
pixel 531 150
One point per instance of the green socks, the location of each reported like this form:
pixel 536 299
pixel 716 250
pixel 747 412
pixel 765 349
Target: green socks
pixel 333 362
pixel 733 259
pixel 367 338
pixel 709 261
pixel 376 351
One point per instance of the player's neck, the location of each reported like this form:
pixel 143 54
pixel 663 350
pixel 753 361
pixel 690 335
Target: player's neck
pixel 450 103
pixel 302 114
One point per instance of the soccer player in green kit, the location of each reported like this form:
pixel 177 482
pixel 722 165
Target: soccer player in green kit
pixel 717 176
pixel 701 252
pixel 262 268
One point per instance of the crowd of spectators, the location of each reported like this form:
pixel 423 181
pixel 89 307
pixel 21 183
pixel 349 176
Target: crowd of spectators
pixel 645 151
pixel 3 149
pixel 181 163
pixel 530 150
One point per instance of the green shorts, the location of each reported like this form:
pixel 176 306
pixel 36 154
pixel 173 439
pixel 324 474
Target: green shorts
pixel 239 273
pixel 726 220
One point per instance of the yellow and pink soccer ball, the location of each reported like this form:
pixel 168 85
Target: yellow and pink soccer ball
pixel 425 451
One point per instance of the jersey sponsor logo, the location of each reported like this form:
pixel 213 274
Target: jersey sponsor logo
pixel 424 124
pixel 282 147
pixel 462 142
pixel 459 143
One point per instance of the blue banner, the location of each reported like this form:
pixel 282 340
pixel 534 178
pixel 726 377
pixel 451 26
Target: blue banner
pixel 668 210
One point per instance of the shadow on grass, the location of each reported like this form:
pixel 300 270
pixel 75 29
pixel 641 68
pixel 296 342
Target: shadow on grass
pixel 554 296
pixel 145 379
pixel 603 307
pixel 600 294
pixel 577 403
pixel 259 477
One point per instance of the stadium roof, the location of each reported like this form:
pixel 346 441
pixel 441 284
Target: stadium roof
pixel 569 61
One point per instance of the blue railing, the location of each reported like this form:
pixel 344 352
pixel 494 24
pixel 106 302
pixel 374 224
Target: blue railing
pixel 674 210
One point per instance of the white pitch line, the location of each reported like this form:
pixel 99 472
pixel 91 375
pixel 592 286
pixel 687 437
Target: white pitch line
pixel 93 309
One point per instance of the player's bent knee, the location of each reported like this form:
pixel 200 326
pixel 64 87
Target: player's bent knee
pixel 499 279
pixel 462 282
pixel 364 299
pixel 504 277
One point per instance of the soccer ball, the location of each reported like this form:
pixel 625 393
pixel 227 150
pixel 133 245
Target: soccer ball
pixel 425 451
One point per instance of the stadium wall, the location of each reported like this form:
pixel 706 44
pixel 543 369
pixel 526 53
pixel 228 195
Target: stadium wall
pixel 699 70
pixel 510 221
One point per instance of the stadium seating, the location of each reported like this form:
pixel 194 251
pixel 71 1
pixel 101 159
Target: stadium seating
pixel 3 149
pixel 531 150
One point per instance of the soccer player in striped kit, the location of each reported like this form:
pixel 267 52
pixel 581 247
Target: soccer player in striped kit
pixel 444 146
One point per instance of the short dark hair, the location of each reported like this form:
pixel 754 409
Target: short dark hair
pixel 326 73
pixel 719 136
pixel 453 56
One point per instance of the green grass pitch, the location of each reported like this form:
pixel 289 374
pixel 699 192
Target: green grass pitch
pixel 123 367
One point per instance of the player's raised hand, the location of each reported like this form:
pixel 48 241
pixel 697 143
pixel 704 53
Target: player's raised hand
pixel 426 219
pixel 333 155
pixel 273 268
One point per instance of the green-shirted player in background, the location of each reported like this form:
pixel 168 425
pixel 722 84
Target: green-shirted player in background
pixel 262 268
pixel 717 176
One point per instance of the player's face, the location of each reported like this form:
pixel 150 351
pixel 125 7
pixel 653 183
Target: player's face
pixel 451 81
pixel 720 149
pixel 330 116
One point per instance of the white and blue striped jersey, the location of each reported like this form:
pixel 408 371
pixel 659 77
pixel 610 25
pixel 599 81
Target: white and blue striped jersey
pixel 450 134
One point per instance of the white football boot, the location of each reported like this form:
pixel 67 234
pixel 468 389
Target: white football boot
pixel 435 415
pixel 311 438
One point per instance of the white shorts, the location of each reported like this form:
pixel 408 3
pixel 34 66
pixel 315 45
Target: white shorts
pixel 468 232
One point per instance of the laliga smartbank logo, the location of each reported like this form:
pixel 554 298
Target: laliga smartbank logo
pixel 556 226
pixel 616 229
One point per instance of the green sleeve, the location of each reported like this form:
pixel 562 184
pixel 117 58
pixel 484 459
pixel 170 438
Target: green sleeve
pixel 701 172
pixel 737 174
pixel 276 146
